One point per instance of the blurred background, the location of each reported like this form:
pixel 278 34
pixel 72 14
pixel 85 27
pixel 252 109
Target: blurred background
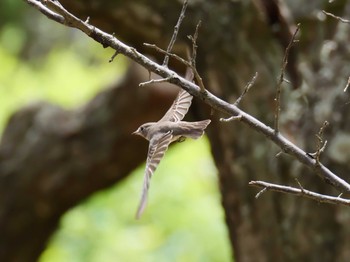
pixel 71 174
pixel 42 60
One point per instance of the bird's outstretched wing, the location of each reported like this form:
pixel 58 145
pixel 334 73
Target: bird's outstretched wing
pixel 156 150
pixel 179 108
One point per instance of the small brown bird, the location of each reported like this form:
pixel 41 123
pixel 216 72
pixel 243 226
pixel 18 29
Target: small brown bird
pixel 160 134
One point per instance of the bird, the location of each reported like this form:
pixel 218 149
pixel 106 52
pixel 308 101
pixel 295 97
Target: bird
pixel 160 134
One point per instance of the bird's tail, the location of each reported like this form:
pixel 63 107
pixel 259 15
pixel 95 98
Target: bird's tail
pixel 196 129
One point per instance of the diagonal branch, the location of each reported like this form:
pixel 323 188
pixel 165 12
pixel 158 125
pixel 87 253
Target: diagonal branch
pixel 47 12
pixel 216 103
pixel 246 89
pixel 337 17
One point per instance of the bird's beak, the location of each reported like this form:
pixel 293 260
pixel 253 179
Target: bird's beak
pixel 136 132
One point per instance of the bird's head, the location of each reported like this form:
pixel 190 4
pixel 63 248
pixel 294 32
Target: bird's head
pixel 143 130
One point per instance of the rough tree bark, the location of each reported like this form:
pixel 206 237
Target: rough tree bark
pixel 237 39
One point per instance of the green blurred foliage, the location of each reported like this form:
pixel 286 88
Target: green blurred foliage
pixel 184 219
pixel 68 76
pixel 182 222
pixel 11 11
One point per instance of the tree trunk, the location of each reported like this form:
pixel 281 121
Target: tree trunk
pixel 237 39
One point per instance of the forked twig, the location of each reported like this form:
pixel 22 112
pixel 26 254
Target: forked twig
pixel 321 145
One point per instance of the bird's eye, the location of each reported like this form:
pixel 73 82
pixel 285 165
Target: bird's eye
pixel 141 128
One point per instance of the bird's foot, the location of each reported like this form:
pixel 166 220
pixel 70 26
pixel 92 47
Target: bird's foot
pixel 181 139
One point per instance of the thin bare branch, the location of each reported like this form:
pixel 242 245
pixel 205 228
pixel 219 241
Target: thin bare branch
pixel 69 19
pixel 181 60
pixel 300 186
pixel 281 79
pixel 46 11
pixel 299 192
pixel 194 44
pixel 246 89
pixel 175 56
pixel 232 118
pixel 279 154
pixel 113 56
pixel 262 191
pixel 337 17
pixel 155 81
pixel 194 57
pixel 347 85
pixel 176 30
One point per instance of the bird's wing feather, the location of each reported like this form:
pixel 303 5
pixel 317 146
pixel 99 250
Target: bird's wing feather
pixel 156 150
pixel 179 108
